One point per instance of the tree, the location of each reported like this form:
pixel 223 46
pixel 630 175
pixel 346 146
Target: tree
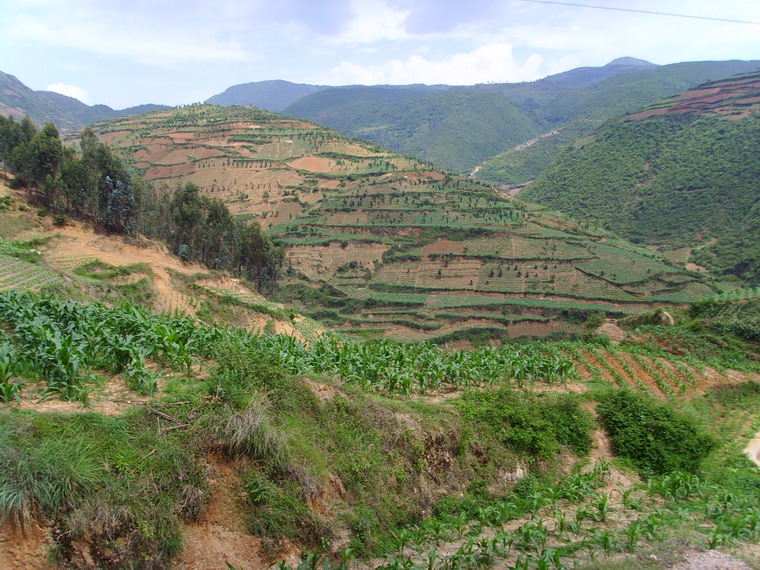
pixel 37 160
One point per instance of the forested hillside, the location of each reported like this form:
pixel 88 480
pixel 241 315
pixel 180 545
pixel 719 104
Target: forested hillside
pixel 453 129
pixel 573 115
pixel 67 113
pixel 682 173
pixel 425 121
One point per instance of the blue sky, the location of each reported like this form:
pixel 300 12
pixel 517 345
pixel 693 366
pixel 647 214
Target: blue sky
pixel 124 53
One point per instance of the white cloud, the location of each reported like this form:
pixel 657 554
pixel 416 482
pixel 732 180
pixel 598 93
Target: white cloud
pixel 373 21
pixel 130 40
pixel 492 62
pixel 71 91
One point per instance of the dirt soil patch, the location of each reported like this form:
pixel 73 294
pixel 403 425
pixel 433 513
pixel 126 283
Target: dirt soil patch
pixel 612 330
pixel 111 400
pixel 24 548
pixel 700 559
pixel 753 449
pixel 76 240
pixel 219 537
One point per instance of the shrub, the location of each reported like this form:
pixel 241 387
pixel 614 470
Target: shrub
pixel 654 437
pixel 528 424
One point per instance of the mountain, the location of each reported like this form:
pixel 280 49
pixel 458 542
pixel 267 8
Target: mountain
pixel 272 95
pixel 67 113
pixel 451 127
pixel 576 114
pixel 456 128
pixel 382 244
pixel 585 76
pixel 17 100
pixel 499 122
pixel 87 114
pixel 681 173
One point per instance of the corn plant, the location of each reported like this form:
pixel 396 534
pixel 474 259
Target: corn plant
pixel 632 535
pixel 602 505
pixel 605 539
pixel 9 389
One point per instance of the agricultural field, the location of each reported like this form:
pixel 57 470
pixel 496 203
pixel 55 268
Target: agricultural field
pixel 460 241
pixel 365 223
pixel 336 453
pixel 21 275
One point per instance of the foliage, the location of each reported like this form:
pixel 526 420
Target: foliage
pixel 532 426
pixel 654 437
pixel 665 182
pixel 579 112
pixel 199 228
pixel 741 318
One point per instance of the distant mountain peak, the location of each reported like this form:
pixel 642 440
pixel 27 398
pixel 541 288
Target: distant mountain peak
pixel 631 61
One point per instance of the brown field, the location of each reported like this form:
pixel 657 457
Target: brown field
pixel 323 261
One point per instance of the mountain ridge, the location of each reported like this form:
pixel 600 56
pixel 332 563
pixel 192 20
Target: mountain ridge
pixel 67 113
pixel 575 115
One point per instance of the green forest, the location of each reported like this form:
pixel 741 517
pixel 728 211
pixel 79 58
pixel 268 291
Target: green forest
pixel 672 181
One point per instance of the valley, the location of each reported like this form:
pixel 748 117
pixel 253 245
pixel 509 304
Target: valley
pixel 430 372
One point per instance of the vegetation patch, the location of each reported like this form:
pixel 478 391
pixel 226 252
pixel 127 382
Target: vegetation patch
pixel 656 439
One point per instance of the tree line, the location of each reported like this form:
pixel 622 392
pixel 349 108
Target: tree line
pixel 95 185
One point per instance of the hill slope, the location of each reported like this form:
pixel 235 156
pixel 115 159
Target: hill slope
pixel 681 173
pixel 71 260
pixel 419 121
pixel 575 114
pixel 17 100
pixel 457 129
pixel 453 128
pixel 383 244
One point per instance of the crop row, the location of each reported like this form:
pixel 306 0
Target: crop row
pixel 61 341
pixel 18 274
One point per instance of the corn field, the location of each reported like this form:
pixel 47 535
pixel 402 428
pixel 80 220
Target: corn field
pixel 63 342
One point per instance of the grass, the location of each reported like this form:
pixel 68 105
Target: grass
pixel 93 475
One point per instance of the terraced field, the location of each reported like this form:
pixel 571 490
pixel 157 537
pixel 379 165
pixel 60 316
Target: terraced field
pixel 378 229
pixel 21 275
pixel 735 97
pixel 663 374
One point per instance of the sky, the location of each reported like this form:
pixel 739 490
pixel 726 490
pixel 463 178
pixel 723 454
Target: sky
pixel 125 53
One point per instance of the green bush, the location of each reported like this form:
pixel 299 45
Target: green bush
pixel 529 424
pixel 653 436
